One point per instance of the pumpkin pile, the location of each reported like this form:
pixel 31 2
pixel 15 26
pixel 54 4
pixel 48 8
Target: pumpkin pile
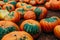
pixel 13 11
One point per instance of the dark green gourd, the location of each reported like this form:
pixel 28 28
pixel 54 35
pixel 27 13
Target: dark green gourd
pixel 31 28
pixel 52 19
pixel 4 31
pixel 38 11
pixel 8 8
pixel 5 1
pixel 13 3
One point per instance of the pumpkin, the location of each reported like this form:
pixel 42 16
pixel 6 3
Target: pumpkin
pixel 33 2
pixel 32 27
pixel 18 35
pixel 57 31
pixel 20 4
pixel 21 11
pixel 48 24
pixel 39 1
pixel 7 27
pixel 29 15
pixel 28 7
pixel 13 16
pixel 12 2
pixel 40 12
pixel 8 7
pixel 1 3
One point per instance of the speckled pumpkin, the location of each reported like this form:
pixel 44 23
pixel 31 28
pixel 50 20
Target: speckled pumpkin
pixel 40 12
pixel 13 16
pixel 8 7
pixel 48 24
pixel 7 27
pixel 39 1
pixel 32 27
pixel 20 4
pixel 57 31
pixel 21 11
pixel 29 15
pixel 18 35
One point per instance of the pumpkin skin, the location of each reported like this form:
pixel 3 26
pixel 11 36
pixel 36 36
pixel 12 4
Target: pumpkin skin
pixel 9 7
pixel 29 15
pixel 20 4
pixel 57 31
pixel 32 27
pixel 7 27
pixel 13 16
pixel 21 11
pixel 19 35
pixel 48 24
pixel 39 1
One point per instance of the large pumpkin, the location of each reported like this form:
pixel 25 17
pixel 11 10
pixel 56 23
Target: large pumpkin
pixel 7 27
pixel 48 24
pixel 18 35
pixel 9 7
pixel 32 27
pixel 13 16
pixel 29 15
pixel 57 31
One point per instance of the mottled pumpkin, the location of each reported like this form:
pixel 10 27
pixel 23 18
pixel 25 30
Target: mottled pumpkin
pixel 39 1
pixel 20 4
pixel 40 12
pixel 18 35
pixel 57 31
pixel 48 24
pixel 1 3
pixel 8 7
pixel 7 27
pixel 32 27
pixel 21 11
pixel 33 2
pixel 13 16
pixel 29 15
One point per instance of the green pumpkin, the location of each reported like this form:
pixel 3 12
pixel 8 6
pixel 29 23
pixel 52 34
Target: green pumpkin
pixel 4 31
pixel 8 8
pixel 52 19
pixel 13 3
pixel 31 28
pixel 21 10
pixel 5 1
pixel 38 11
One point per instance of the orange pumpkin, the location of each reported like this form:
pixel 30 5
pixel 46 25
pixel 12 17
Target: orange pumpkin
pixel 18 35
pixel 29 15
pixel 8 7
pixel 48 24
pixel 7 27
pixel 57 31
pixel 33 2
pixel 13 16
pixel 32 27
pixel 39 1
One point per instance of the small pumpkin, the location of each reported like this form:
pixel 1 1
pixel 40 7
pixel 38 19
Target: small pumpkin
pixel 29 15
pixel 8 7
pixel 48 24
pixel 57 31
pixel 13 16
pixel 21 11
pixel 18 35
pixel 20 4
pixel 7 27
pixel 39 1
pixel 32 27
pixel 33 2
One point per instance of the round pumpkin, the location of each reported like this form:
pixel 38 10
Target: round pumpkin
pixel 48 24
pixel 39 1
pixel 29 15
pixel 7 27
pixel 13 16
pixel 20 4
pixel 18 35
pixel 21 11
pixel 32 27
pixel 57 31
pixel 8 7
pixel 33 2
